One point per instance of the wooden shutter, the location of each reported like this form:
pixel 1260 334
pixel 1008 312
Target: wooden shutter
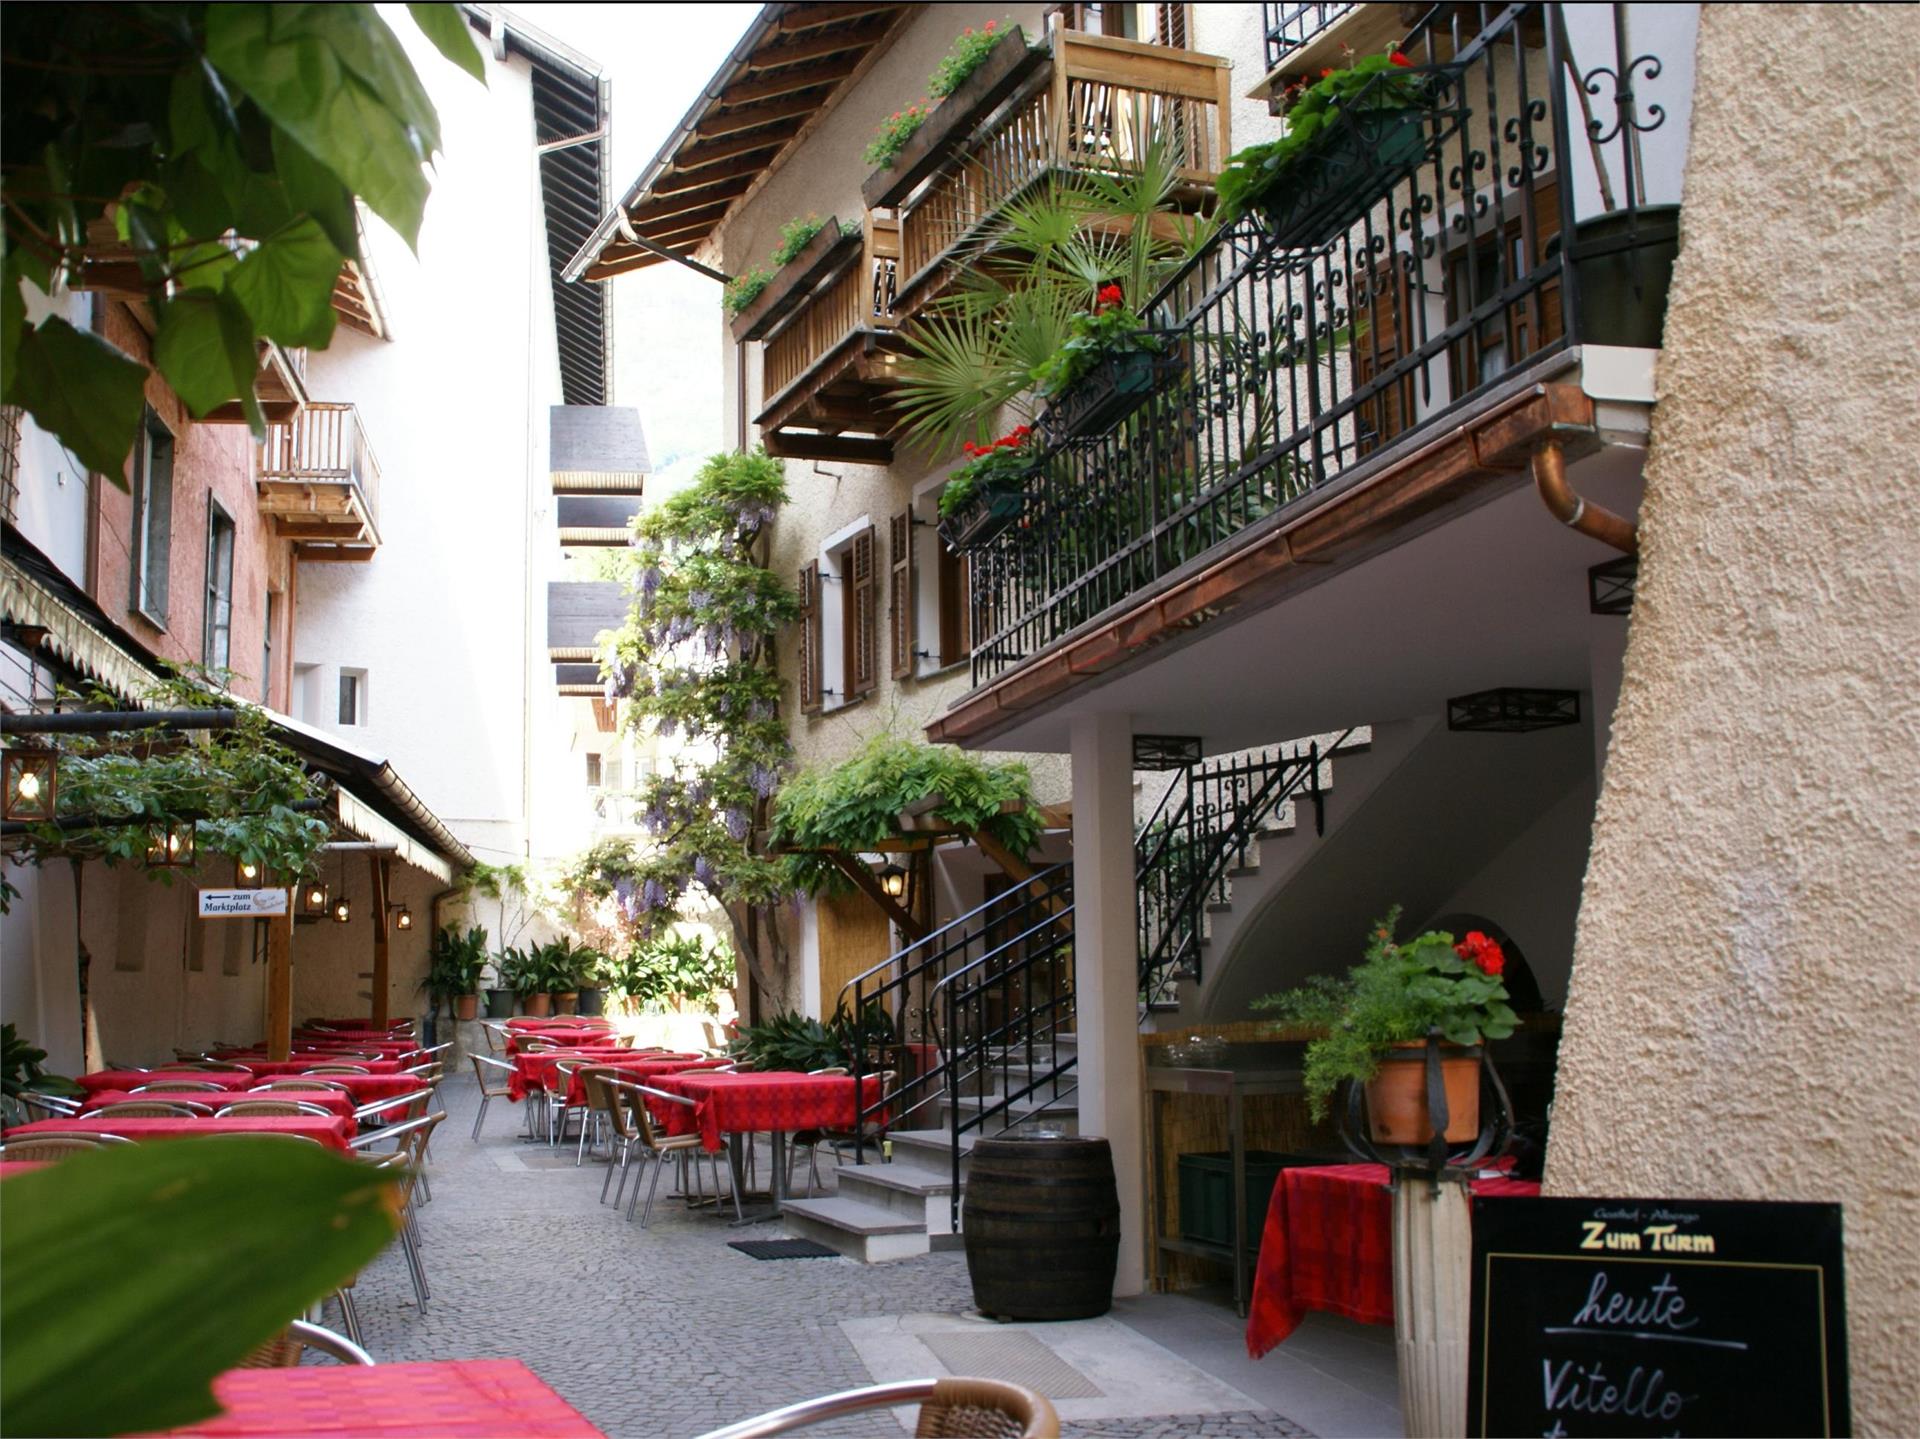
pixel 955 641
pixel 1381 322
pixel 810 637
pixel 901 626
pixel 862 616
pixel 1170 26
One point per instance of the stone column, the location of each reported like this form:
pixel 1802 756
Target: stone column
pixel 1432 1275
pixel 1106 968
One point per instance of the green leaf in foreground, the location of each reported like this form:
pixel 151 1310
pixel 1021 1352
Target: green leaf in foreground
pixel 451 37
pixel 204 346
pixel 81 389
pixel 287 284
pixel 131 1277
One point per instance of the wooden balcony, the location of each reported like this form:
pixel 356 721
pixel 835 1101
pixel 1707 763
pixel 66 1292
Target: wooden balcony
pixel 828 365
pixel 1094 104
pixel 321 483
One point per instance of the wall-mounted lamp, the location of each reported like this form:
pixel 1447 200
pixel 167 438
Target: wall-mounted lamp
pixel 893 881
pixel 247 873
pixel 342 910
pixel 31 777
pixel 402 916
pixel 170 845
pixel 313 898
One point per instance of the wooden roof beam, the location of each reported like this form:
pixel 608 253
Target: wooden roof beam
pixel 854 37
pixel 771 86
pixel 749 165
pixel 698 157
pixel 688 201
pixel 788 445
pixel 812 17
pixel 697 224
pixel 734 122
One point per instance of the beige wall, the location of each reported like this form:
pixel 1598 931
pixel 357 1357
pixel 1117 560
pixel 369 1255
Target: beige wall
pixel 1745 996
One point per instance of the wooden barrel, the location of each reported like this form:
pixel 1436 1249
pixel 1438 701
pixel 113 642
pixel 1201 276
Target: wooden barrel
pixel 1041 1220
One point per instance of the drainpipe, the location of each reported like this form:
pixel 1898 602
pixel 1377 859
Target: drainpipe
pixel 1575 512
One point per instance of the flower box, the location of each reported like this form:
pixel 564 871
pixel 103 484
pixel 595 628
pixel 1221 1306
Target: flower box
pixel 1348 172
pixel 954 119
pixel 824 257
pixel 993 510
pixel 1111 391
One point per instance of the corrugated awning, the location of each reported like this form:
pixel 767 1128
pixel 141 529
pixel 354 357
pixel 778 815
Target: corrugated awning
pixel 77 632
pixel 793 63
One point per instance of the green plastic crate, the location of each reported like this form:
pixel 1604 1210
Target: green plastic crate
pixel 1206 1193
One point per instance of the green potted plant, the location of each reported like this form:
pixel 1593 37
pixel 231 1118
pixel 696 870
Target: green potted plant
pixel 500 994
pixel 987 493
pixel 894 132
pixel 20 1073
pixel 525 973
pixel 1372 1028
pixel 1344 132
pixel 454 967
pixel 1102 371
pixel 590 969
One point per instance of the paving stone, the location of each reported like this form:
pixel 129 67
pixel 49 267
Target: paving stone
pixel 659 1332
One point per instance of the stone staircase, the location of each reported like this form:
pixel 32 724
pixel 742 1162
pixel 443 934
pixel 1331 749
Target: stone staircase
pixel 905 1205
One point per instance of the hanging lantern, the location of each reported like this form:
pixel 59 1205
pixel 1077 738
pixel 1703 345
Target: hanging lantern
pixel 402 917
pixel 170 845
pixel 313 898
pixel 247 874
pixel 893 881
pixel 31 778
pixel 342 910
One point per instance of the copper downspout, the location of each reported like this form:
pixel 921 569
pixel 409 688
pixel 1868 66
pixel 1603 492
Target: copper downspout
pixel 1550 478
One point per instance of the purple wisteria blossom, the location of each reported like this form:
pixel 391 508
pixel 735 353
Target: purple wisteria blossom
pixel 653 895
pixel 737 823
pixel 704 872
pixel 765 781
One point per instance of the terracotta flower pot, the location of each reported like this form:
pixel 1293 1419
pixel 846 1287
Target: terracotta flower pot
pixel 538 1006
pixel 466 1006
pixel 566 1001
pixel 1397 1095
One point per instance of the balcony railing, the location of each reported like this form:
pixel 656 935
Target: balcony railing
pixel 1294 357
pixel 1095 107
pixel 319 478
pixel 1287 28
pixel 860 297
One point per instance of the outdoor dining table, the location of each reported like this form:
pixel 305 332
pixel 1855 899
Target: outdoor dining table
pixel 730 1105
pixel 575 1039
pixel 334 1101
pixel 365 1088
pixel 300 1063
pixel 1328 1244
pixel 462 1397
pixel 331 1131
pixel 644 1070
pixel 532 1071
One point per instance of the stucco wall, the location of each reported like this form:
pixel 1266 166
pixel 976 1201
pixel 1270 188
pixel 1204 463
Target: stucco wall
pixel 1745 996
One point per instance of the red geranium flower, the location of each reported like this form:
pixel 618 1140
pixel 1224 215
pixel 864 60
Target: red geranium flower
pixel 1108 295
pixel 1398 59
pixel 1477 949
pixel 1326 72
pixel 990 25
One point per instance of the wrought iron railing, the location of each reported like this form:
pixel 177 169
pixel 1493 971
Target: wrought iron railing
pixel 903 985
pixel 1286 28
pixel 1203 829
pixel 1385 291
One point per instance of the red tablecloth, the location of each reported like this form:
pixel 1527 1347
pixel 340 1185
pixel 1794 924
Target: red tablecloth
pixel 528 1022
pixel 400 1050
pixel 331 1132
pixel 9 1168
pixel 1328 1244
pixel 448 1400
pixel 332 1100
pixel 640 1071
pixel 749 1103
pixel 532 1071
pixel 571 1039
pixel 301 1063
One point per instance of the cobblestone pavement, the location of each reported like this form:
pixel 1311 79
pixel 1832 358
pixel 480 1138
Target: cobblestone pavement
pixel 657 1332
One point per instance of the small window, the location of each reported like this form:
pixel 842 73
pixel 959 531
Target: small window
pixel 216 638
pixel 353 697
pixel 593 771
pixel 152 518
pixel 10 417
pixel 266 648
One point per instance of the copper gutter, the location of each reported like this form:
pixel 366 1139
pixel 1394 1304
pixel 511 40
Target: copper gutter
pixel 1574 511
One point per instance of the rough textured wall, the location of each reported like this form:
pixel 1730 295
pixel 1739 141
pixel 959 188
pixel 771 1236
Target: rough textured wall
pixel 1745 994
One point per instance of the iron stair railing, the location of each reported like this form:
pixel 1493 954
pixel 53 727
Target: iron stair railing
pixel 1002 1014
pixel 1202 829
pixel 903 985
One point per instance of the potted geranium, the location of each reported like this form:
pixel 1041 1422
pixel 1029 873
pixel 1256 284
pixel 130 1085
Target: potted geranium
pixel 987 493
pixel 1103 370
pixel 1345 132
pixel 1374 1025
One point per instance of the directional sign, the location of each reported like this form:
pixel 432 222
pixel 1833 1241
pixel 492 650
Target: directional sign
pixel 241 903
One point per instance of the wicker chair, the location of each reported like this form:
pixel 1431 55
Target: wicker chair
pixel 336 1069
pixel 272 1109
pixel 660 1147
pixel 156 1109
pixel 283 1351
pixel 214 1066
pixel 58 1146
pixel 179 1086
pixel 951 1408
pixel 273 1086
pixel 481 1064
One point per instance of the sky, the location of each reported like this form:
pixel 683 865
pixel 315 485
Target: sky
pixel 667 336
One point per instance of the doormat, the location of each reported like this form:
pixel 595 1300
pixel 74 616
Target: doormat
pixel 1015 1356
pixel 783 1249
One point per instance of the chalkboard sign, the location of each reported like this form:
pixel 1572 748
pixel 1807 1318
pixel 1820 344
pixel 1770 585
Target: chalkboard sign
pixel 1656 1316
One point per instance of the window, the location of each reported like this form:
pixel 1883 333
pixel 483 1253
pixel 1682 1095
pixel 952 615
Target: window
pixel 593 771
pixel 840 622
pixel 935 582
pixel 860 626
pixel 152 518
pixel 216 633
pixel 810 638
pixel 353 697
pixel 902 602
pixel 10 417
pixel 266 648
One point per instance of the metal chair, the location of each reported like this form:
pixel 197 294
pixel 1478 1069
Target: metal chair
pixel 658 1147
pixel 156 1109
pixel 284 1350
pixel 271 1108
pixel 48 1145
pixel 214 1066
pixel 180 1086
pixel 599 1100
pixel 336 1069
pixel 272 1086
pixel 50 1106
pixel 954 1406
pixel 481 1064
pixel 410 1142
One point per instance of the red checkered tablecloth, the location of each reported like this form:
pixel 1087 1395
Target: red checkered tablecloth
pixel 365 1088
pixel 751 1103
pixel 533 1071
pixel 333 1133
pixel 1328 1244
pixel 460 1399
pixel 332 1100
pixel 302 1061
